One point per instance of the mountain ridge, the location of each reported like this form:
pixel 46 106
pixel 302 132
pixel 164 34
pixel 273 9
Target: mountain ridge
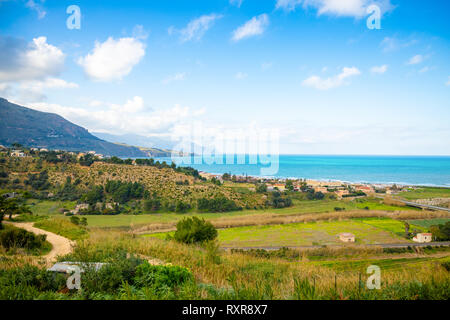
pixel 32 128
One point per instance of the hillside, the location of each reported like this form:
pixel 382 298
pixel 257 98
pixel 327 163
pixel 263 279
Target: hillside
pixel 33 128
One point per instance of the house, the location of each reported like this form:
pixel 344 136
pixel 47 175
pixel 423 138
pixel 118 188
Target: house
pixel 18 153
pixel 423 237
pixel 321 189
pixel 43 150
pixel 347 237
pixel 341 193
pixel 365 189
pixel 79 207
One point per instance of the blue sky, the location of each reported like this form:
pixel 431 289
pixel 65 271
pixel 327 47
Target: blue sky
pixel 309 68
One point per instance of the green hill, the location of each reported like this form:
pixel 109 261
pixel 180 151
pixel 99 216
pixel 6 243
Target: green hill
pixel 33 128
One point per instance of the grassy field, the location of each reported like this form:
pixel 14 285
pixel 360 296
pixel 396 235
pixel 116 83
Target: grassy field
pixel 390 225
pixel 48 207
pixel 62 227
pixel 384 264
pixel 426 193
pixel 306 234
pixel 426 223
pixel 126 221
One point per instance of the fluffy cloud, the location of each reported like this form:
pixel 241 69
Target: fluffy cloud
pixel 415 60
pixel 332 82
pixel 112 59
pixel 28 69
pixel 379 69
pixel 346 8
pixel 196 28
pixel 36 60
pixel 253 27
pixel 130 117
pixel 176 77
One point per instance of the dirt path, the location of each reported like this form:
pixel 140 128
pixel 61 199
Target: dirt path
pixel 60 245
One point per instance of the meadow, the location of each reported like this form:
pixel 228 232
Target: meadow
pixel 426 193
pixel 367 231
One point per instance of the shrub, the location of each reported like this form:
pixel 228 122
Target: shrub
pixel 20 238
pixel 219 204
pixel 194 230
pixel 158 277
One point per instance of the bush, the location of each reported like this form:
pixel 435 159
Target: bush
pixel 20 238
pixel 26 282
pixel 194 230
pixel 219 204
pixel 158 277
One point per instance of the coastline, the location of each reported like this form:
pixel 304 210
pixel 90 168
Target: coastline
pixel 414 171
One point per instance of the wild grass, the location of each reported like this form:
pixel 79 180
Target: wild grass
pixel 426 193
pixel 274 219
pixel 62 227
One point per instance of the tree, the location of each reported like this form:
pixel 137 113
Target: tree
pixel 261 188
pixel 194 230
pixel 406 229
pixel 289 185
pixel 2 210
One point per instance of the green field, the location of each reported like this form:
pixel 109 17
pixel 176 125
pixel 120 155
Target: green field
pixel 426 223
pixel 384 264
pixel 426 193
pixel 306 234
pixel 394 226
pixel 47 207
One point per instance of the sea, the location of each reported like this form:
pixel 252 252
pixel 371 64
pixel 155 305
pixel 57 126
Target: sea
pixel 402 170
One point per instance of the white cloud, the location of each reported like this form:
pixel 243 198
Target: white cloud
pixel 236 3
pixel 448 82
pixel 196 28
pixel 129 117
pixel 345 8
pixel 49 83
pixel 415 60
pixel 36 60
pixel 393 43
pixel 379 69
pixel 332 82
pixel 241 75
pixel 112 59
pixel 34 5
pixel 253 27
pixel 176 77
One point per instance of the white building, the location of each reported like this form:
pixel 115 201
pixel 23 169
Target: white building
pixel 347 237
pixel 423 237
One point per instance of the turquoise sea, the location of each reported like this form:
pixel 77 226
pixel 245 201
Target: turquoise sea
pixel 410 170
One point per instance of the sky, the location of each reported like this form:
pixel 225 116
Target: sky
pixel 311 69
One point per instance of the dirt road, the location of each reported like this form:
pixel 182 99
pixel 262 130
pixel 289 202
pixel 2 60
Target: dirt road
pixel 60 245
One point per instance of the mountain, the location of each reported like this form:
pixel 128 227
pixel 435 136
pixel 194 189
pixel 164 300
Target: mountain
pixel 33 128
pixel 137 140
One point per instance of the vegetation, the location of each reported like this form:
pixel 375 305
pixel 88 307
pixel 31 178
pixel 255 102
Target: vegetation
pixel 63 227
pixel 16 238
pixel 194 230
